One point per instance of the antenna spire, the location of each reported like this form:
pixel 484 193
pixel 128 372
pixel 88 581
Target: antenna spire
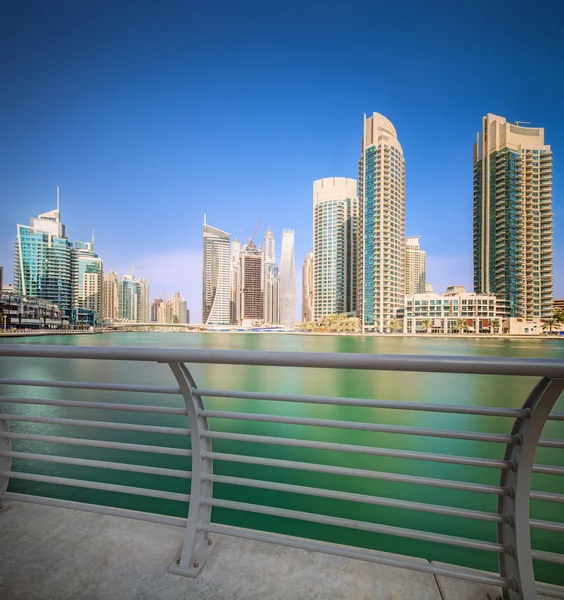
pixel 204 218
pixel 58 199
pixel 92 239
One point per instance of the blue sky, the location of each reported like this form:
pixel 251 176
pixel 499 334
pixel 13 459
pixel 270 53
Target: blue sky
pixel 149 114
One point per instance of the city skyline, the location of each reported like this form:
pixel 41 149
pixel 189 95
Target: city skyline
pixel 125 135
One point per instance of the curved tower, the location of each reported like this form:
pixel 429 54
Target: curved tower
pixel 381 184
pixel 216 276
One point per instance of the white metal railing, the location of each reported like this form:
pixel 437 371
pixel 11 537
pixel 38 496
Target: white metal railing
pixel 512 518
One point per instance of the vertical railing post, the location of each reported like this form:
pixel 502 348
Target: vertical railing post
pixel 518 565
pixel 197 544
pixel 5 461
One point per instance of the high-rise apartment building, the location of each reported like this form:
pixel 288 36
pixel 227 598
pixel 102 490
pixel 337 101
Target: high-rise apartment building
pixel 381 214
pixel 216 277
pixel 252 284
pixel 235 283
pixel 415 266
pixel 88 278
pixel 43 261
pixel 272 294
pixel 307 288
pixel 287 280
pixel 143 302
pixel 155 305
pixel 335 242
pixel 110 297
pixel 513 217
pixel 133 297
pixel 271 284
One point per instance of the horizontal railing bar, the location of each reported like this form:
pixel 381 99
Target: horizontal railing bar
pixel 95 508
pixel 551 591
pixel 548 525
pixel 478 365
pixel 98 424
pixel 360 525
pixel 98 464
pixel 86 385
pixel 442 458
pixel 556 416
pixel 96 485
pixel 551 557
pixel 358 554
pixel 164 410
pixel 355 425
pixel 548 496
pixel 380 475
pixel 32 437
pixel 548 470
pixel 550 443
pixel 363 498
pixel 514 413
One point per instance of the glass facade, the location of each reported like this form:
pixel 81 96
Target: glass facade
pixel 43 267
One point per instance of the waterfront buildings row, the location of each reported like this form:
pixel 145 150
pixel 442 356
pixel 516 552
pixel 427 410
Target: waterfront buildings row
pixel 49 267
pixel 170 311
pixel 363 264
pixel 125 299
pixel 243 285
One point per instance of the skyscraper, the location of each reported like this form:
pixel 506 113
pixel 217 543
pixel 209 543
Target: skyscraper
pixel 272 294
pixel 178 308
pixel 43 261
pixel 269 247
pixel 513 217
pixel 307 288
pixel 382 212
pixel 287 280
pixel 88 278
pixel 216 277
pixel 143 302
pixel 235 283
pixel 110 311
pixel 415 266
pixel 335 241
pixel 252 284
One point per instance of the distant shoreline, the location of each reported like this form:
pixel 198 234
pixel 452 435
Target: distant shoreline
pixel 470 336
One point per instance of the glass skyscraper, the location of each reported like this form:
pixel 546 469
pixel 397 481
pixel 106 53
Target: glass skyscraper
pixel 381 184
pixel 43 262
pixel 513 217
pixel 335 241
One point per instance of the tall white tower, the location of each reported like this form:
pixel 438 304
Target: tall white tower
pixel 216 277
pixel 287 280
pixel 381 183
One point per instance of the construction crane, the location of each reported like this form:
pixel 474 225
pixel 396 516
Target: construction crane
pixel 255 232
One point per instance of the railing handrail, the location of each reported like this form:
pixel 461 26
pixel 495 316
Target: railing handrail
pixel 512 517
pixel 472 365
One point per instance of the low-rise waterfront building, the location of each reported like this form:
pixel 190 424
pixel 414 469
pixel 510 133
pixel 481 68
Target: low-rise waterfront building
pixel 440 313
pixel 21 312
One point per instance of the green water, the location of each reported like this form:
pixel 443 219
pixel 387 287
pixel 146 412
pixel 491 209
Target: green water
pixel 415 387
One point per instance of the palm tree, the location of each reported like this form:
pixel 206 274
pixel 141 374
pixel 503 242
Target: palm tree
pixel 549 324
pixel 394 325
pixel 495 324
pixel 559 315
pixel 427 325
pixel 461 325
